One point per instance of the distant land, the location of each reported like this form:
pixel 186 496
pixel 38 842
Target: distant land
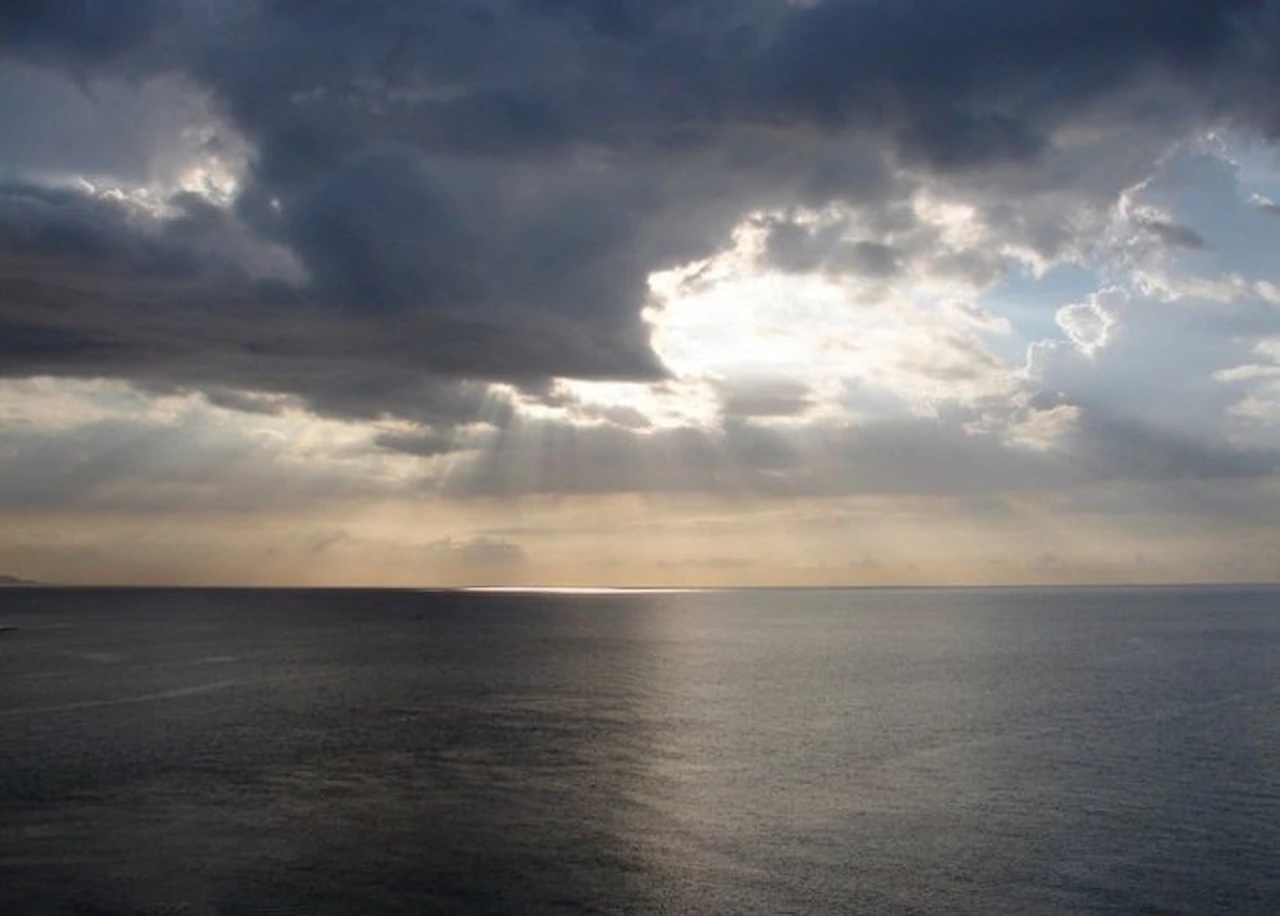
pixel 14 580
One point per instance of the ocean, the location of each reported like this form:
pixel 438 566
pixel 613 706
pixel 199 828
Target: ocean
pixel 896 751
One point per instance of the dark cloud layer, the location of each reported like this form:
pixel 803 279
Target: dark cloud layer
pixel 462 191
pixel 76 31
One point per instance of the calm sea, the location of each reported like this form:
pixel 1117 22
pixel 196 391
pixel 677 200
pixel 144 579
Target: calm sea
pixel 883 752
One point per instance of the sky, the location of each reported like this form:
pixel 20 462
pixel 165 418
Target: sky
pixel 639 292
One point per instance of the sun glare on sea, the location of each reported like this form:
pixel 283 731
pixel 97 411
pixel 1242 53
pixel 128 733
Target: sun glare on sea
pixel 577 590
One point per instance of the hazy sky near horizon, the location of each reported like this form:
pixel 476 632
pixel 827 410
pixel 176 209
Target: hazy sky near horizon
pixel 640 291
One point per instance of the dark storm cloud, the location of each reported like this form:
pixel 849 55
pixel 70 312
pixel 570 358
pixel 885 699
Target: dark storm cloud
pixel 55 224
pixel 969 83
pixel 88 31
pixel 479 190
pixel 90 286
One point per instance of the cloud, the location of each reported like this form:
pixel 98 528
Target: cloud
pixel 424 443
pixel 1128 448
pixel 543 248
pixel 1088 325
pixel 1171 233
pixel 117 452
pixel 479 551
pixel 85 33
pixel 457 212
pixel 777 397
pixel 976 85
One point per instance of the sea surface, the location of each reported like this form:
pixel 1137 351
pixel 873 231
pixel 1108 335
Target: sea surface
pixel 1012 751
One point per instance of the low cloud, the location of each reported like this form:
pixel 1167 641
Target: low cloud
pixel 480 551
